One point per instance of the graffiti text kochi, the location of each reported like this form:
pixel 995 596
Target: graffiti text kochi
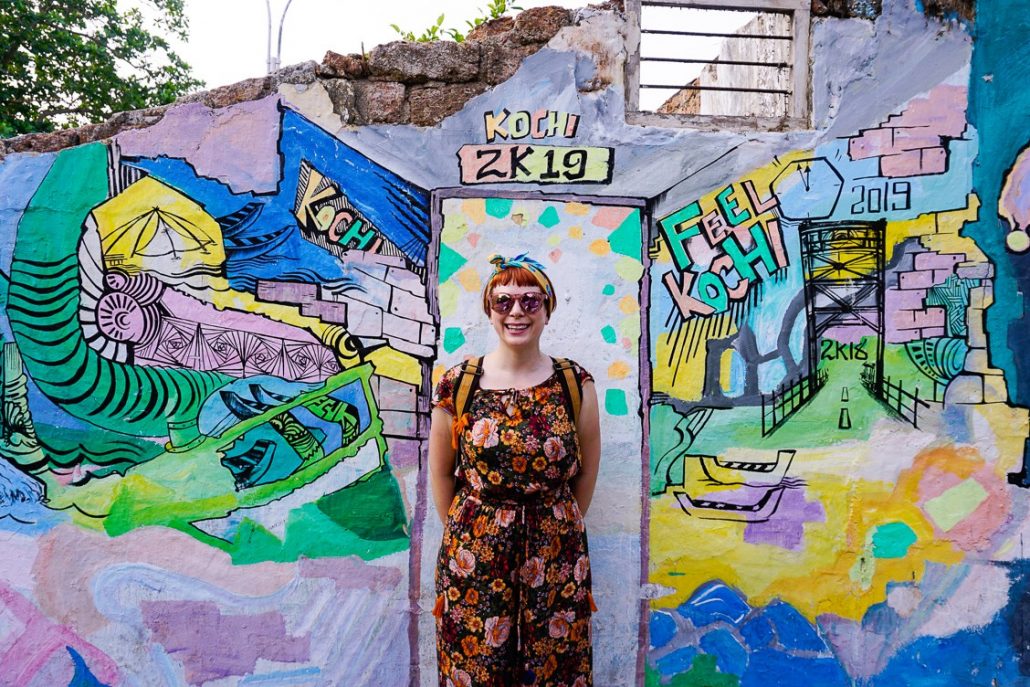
pixel 734 233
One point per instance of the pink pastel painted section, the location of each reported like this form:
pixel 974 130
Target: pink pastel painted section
pixel 610 217
pixel 1014 204
pixel 188 308
pixel 976 530
pixel 34 647
pixel 63 581
pixel 236 145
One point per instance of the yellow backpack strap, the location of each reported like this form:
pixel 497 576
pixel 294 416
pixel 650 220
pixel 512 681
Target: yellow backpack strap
pixel 465 389
pixel 570 385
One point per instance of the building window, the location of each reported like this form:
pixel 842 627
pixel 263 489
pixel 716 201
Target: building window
pixel 719 63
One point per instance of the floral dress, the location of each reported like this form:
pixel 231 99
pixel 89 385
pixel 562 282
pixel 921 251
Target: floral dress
pixel 513 576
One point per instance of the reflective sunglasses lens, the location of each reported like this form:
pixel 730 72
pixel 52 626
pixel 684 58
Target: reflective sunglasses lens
pixel 530 302
pixel 502 303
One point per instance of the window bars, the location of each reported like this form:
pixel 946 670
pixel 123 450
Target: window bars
pixel 723 62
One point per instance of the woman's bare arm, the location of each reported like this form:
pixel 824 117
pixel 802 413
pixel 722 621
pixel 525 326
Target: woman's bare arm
pixel 589 428
pixel 441 461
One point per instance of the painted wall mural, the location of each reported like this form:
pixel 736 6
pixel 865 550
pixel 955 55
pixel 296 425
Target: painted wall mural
pixel 218 337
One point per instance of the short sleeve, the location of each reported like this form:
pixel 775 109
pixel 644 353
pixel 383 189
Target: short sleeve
pixel 443 395
pixel 581 374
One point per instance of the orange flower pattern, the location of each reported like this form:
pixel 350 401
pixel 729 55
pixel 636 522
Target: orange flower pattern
pixel 513 575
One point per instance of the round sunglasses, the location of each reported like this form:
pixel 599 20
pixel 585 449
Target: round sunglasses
pixel 502 303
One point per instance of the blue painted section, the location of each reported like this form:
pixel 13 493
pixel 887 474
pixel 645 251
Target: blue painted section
pixel 20 176
pixel 792 629
pixel 757 632
pixel 82 677
pixel 999 108
pixel 662 628
pixel 678 661
pixel 271 246
pixel 770 668
pixel 714 602
pixel 730 656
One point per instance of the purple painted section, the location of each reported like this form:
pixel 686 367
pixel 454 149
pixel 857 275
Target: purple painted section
pixel 786 529
pixel 351 573
pixel 236 145
pixel 1015 199
pixel 211 646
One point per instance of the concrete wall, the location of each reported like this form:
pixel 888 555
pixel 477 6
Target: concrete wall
pixel 222 322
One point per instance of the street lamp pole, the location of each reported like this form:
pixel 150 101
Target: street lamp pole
pixel 272 62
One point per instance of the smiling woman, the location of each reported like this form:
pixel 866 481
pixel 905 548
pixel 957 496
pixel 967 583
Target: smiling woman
pixel 514 451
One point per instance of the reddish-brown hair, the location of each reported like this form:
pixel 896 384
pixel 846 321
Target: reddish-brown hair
pixel 512 276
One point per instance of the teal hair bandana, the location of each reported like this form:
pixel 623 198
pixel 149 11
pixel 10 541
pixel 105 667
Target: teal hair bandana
pixel 501 263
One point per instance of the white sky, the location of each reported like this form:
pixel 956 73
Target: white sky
pixel 228 38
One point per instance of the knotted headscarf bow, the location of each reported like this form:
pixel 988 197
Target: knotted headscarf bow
pixel 501 263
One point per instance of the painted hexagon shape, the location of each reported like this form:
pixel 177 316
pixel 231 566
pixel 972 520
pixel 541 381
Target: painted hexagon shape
pixel 808 189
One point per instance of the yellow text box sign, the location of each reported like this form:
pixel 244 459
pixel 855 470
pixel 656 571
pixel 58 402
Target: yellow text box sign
pixel 519 163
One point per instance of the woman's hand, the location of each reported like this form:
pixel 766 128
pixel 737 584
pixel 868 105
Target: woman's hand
pixel 589 428
pixel 441 461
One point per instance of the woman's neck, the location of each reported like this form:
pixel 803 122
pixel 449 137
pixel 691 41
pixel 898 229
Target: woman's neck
pixel 517 360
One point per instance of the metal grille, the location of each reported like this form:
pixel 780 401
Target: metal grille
pixel 739 61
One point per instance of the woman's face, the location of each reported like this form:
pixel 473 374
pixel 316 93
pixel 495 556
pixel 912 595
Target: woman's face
pixel 518 327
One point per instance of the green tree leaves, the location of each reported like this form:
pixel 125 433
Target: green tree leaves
pixel 64 63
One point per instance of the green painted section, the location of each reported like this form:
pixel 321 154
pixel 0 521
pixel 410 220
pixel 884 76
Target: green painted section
pixel 43 302
pixel 549 217
pixel 453 339
pixel 498 207
pixel 450 262
pixel 615 402
pixel 608 290
pixel 608 334
pixel 892 540
pixel 956 504
pixel 625 240
pixel 703 673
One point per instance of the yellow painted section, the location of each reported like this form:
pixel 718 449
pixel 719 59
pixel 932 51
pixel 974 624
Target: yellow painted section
pixel 833 570
pixel 150 221
pixel 629 304
pixel 600 247
pixel 575 232
pixel 577 209
pixel 474 209
pixel 629 269
pixel 389 362
pixel 618 370
pixel 454 229
pixel 448 294
pixel 689 377
pixel 726 369
pixel 553 240
pixel 469 279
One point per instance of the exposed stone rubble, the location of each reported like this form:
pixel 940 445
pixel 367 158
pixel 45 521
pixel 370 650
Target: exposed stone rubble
pixel 396 83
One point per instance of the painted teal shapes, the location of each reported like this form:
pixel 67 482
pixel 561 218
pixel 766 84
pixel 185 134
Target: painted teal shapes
pixel 626 239
pixel 549 217
pixel 453 339
pixel 450 262
pixel 609 334
pixel 615 402
pixel 608 290
pixel 892 540
pixel 498 207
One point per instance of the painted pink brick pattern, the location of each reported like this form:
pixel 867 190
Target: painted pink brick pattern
pixel 908 299
pixel 920 279
pixel 938 261
pixel 915 142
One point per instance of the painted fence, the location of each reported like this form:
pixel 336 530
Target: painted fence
pixel 220 333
